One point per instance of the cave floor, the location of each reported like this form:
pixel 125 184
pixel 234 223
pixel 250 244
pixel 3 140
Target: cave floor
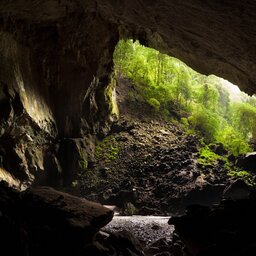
pixel 147 229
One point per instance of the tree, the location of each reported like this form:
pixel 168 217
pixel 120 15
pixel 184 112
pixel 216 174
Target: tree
pixel 206 123
pixel 122 56
pixel 243 119
pixel 233 141
pixel 223 101
pixel 209 96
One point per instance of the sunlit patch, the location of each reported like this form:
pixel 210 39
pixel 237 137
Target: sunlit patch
pixel 9 178
pixel 235 94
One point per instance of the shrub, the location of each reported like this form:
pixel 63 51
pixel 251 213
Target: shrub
pixel 233 141
pixel 154 103
pixel 208 157
pixel 246 176
pixel 107 150
pixel 205 123
pixel 185 123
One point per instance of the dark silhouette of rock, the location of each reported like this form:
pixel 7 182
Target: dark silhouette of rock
pixel 224 229
pixel 126 242
pixel 123 200
pixel 248 162
pixel 44 221
pixel 238 189
pixel 144 210
pixel 218 148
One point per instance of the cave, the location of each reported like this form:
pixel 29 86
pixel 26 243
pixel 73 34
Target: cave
pixel 56 71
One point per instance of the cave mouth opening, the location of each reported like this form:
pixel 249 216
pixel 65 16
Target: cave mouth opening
pixel 208 106
pixel 178 139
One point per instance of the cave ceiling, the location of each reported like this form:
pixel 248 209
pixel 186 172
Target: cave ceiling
pixel 57 54
pixel 211 36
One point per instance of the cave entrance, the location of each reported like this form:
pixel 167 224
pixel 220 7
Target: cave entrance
pixel 178 138
pixel 208 106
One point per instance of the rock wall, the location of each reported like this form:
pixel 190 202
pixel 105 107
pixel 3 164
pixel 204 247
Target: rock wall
pixel 56 63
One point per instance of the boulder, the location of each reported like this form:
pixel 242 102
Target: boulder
pixel 224 229
pixel 78 214
pixel 122 198
pixel 126 243
pixel 44 221
pixel 248 162
pixel 237 189
pixel 218 148
pixel 117 243
pixel 145 210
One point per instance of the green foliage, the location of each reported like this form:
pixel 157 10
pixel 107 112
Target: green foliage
pixel 185 122
pixel 74 184
pixel 246 176
pixel 85 174
pixel 107 150
pixel 154 103
pixel 201 103
pixel 243 119
pixel 129 209
pixel 89 176
pixel 233 141
pixel 82 162
pixel 206 123
pixel 208 157
pixel 208 96
pixel 223 101
pixel 155 75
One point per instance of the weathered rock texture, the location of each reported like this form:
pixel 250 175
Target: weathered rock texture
pixel 56 61
pixel 44 221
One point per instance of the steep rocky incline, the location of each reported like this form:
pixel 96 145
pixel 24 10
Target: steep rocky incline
pixel 149 165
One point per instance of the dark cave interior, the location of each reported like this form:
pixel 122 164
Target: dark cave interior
pixel 56 63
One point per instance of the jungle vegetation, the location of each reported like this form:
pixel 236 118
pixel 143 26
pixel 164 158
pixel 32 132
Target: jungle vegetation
pixel 203 104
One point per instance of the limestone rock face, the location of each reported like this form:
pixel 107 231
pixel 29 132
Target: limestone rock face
pixel 80 215
pixel 56 62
